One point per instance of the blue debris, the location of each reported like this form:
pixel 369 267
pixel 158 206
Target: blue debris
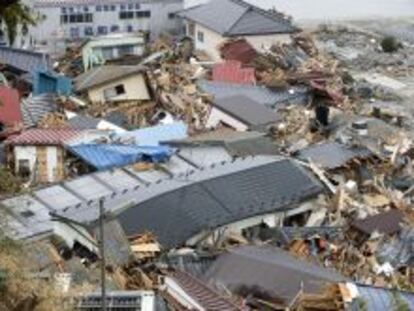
pixel 50 82
pixel 107 156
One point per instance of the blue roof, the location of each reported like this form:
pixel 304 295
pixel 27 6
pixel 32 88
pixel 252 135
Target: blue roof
pixel 107 156
pixel 260 94
pixel 153 136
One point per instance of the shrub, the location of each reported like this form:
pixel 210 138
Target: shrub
pixel 390 44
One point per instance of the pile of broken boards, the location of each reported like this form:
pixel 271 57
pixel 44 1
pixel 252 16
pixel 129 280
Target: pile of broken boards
pixel 326 224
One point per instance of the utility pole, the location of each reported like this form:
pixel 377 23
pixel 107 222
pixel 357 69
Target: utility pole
pixel 102 252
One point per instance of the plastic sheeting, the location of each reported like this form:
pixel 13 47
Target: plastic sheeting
pixel 107 156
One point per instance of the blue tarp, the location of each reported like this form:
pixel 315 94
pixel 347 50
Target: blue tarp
pixel 50 82
pixel 153 136
pixel 107 156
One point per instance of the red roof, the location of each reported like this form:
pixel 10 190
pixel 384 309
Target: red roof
pixel 239 50
pixel 44 137
pixel 232 71
pixel 10 114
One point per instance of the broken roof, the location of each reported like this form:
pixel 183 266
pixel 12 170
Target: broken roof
pixel 236 18
pixel 232 72
pixel 83 122
pixel 43 137
pixel 24 60
pixel 104 74
pixel 261 94
pixel 387 223
pixel 10 114
pixel 239 50
pixel 242 189
pixel 246 110
pixel 331 155
pixel 35 108
pixel 270 270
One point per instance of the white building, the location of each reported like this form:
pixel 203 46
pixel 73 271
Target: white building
pixel 74 19
pixel 213 23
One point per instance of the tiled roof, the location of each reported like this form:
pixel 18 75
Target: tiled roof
pixel 232 72
pixel 239 50
pixel 103 74
pixel 24 60
pixel 331 155
pixel 246 110
pixel 272 270
pixel 43 137
pixel 35 108
pixel 263 185
pixel 237 17
pixel 208 298
pixel 9 107
pixel 261 94
pixel 387 223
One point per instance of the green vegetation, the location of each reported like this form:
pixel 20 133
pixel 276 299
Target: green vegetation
pixel 390 44
pixel 9 184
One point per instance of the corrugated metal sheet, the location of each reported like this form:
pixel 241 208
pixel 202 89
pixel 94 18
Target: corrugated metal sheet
pixel 10 114
pixel 43 137
pixel 232 72
pixel 153 136
pixel 24 60
pixel 107 156
pixel 35 108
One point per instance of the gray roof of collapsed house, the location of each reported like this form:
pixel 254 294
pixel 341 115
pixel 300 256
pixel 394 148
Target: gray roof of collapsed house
pixel 382 299
pixel 28 215
pixel 261 94
pixel 236 17
pixel 24 60
pixel 270 270
pixel 246 110
pixel 206 200
pixel 83 122
pixel 331 155
pixel 104 74
pixel 35 108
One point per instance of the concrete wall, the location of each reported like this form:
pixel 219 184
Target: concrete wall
pixel 135 88
pixel 212 40
pixel 217 116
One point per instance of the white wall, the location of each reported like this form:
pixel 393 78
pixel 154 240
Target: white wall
pixel 216 116
pixel 25 153
pixel 135 89
pixel 51 162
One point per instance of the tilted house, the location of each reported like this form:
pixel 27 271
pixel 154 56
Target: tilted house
pixel 114 84
pixel 211 24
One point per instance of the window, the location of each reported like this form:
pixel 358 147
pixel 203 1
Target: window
pixel 102 30
pixel 125 50
pixel 64 19
pixel 126 15
pixel 113 8
pixel 108 53
pixel 63 10
pixel 191 30
pixel 130 6
pixel 88 31
pixel 74 32
pixel 85 9
pixel 72 19
pixel 200 36
pixel 140 14
pixel 114 92
pixel 137 6
pixel 130 28
pixel 114 28
pixel 98 8
pixel 171 15
pixel 89 18
pixel 106 8
pixel 71 10
pixel 24 168
pixel 79 18
pixel 122 7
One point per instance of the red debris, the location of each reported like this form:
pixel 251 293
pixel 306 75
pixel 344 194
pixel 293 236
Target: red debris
pixel 53 137
pixel 10 114
pixel 239 50
pixel 232 71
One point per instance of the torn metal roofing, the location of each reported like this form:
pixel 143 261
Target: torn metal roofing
pixel 331 155
pixel 35 108
pixel 261 94
pixel 232 72
pixel 104 74
pixel 107 156
pixel 387 223
pixel 246 110
pixel 239 50
pixel 237 17
pixel 271 270
pixel 24 60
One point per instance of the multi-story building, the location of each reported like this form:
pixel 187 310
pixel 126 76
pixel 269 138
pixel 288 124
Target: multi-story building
pixel 74 19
